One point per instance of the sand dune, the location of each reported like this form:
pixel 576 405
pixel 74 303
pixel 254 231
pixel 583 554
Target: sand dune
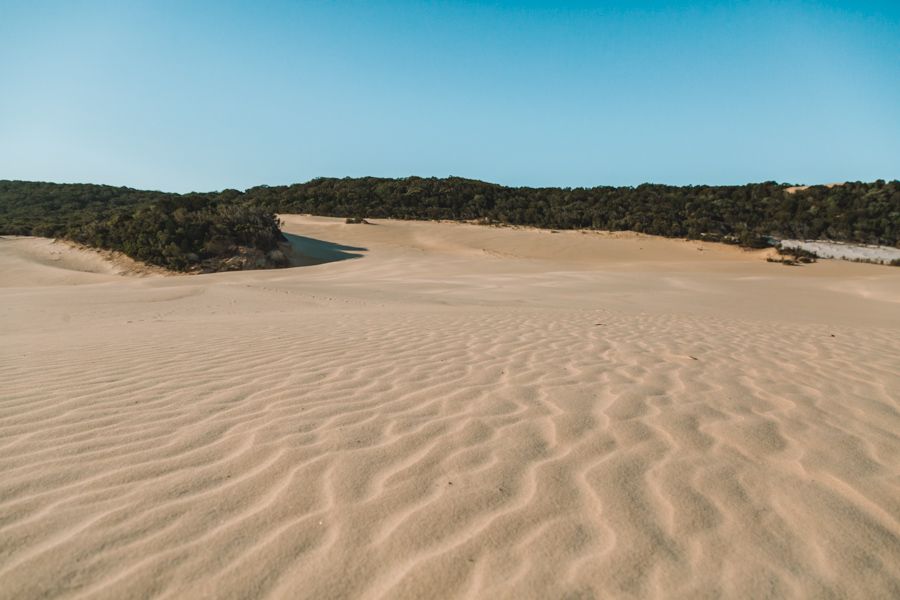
pixel 799 188
pixel 452 411
pixel 41 261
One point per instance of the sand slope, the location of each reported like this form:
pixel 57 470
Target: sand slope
pixel 453 411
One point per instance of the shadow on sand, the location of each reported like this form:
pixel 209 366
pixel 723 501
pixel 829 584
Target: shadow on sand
pixel 309 251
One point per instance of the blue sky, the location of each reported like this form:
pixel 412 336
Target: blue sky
pixel 187 95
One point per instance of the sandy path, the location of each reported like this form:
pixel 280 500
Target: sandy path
pixel 462 411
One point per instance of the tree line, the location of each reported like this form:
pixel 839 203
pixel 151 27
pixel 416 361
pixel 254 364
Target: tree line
pixel 181 231
pixel 746 214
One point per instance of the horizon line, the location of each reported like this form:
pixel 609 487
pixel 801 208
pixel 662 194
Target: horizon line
pixel 531 187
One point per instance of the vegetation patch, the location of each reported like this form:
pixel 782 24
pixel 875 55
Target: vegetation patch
pixel 191 232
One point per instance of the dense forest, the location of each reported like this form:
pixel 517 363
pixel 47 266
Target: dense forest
pixel 190 231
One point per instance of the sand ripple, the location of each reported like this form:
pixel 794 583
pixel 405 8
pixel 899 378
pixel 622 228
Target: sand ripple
pixel 344 447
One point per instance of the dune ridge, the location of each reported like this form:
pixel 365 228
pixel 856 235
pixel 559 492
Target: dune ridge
pixel 458 411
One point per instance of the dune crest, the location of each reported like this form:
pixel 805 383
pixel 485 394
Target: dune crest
pixel 458 411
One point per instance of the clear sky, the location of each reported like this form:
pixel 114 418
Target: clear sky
pixel 205 95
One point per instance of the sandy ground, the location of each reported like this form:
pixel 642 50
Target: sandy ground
pixel 453 411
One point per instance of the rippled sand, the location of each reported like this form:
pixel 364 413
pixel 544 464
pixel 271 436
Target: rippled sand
pixel 453 411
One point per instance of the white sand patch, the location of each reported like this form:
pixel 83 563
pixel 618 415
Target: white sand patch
pixel 839 250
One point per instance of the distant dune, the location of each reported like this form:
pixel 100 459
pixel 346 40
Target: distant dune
pixel 442 410
pixel 799 188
